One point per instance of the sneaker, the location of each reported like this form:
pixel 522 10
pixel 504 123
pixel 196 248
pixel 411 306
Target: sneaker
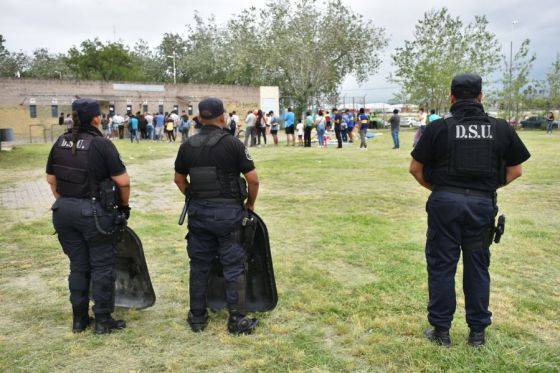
pixel 105 325
pixel 80 323
pixel 241 325
pixel 477 338
pixel 197 323
pixel 438 336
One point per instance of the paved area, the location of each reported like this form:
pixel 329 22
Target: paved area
pixel 152 190
pixel 27 200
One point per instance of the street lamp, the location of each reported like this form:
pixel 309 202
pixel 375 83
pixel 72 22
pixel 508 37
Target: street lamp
pixel 174 69
pixel 510 106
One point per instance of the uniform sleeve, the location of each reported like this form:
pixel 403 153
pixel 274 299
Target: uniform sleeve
pixel 112 159
pixel 50 170
pixel 180 162
pixel 516 153
pixel 423 152
pixel 243 158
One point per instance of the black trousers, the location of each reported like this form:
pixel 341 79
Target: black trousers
pixel 458 222
pixel 307 136
pixel 92 255
pixel 338 135
pixel 215 230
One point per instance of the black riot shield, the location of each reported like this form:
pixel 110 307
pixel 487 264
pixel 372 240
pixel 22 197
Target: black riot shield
pixel 133 287
pixel 261 286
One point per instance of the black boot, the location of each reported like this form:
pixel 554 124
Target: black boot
pixel 104 324
pixel 197 323
pixel 238 324
pixel 477 338
pixel 81 320
pixel 438 336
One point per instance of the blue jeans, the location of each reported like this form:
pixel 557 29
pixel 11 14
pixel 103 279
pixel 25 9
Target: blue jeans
pixel 396 142
pixel 321 135
pixel 150 132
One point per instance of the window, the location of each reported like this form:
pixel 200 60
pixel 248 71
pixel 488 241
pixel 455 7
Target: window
pixel 144 108
pixel 129 109
pixel 190 110
pixel 54 111
pixel 33 111
pixel 176 108
pixel 161 109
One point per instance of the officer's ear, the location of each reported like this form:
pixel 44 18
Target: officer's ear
pixel 480 97
pixel 452 98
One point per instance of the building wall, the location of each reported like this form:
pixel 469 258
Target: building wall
pixel 18 95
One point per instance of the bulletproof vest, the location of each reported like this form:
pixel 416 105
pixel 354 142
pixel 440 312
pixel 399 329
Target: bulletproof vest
pixel 211 182
pixel 472 146
pixel 71 170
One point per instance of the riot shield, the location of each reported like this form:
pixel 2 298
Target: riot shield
pixel 133 287
pixel 261 286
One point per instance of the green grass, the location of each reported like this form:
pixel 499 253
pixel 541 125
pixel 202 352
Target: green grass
pixel 347 231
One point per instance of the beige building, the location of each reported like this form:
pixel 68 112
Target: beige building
pixel 31 107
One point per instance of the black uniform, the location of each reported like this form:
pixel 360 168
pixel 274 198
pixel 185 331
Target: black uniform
pixel 337 119
pixel 92 255
pixel 214 159
pixel 465 157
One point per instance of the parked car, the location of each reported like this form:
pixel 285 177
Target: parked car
pixel 533 122
pixel 409 122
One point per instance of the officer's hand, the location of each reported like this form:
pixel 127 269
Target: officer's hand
pixel 125 210
pixel 250 207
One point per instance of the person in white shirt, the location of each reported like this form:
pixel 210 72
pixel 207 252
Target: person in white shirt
pixel 250 132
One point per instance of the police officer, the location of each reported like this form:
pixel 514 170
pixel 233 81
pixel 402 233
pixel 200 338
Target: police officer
pixel 463 158
pixel 82 165
pixel 213 161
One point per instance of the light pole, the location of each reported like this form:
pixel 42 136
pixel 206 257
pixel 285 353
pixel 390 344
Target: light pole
pixel 174 69
pixel 510 104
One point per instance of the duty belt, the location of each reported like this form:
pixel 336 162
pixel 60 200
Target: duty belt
pixel 465 191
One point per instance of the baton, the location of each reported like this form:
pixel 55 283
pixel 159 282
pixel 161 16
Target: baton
pixel 183 214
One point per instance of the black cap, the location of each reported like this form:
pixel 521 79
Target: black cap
pixel 210 108
pixel 87 108
pixel 466 85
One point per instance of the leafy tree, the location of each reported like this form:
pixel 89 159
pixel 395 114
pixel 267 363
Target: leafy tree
pixel 443 47
pixel 553 84
pixel 12 64
pixel 516 77
pixel 150 66
pixel 47 66
pixel 97 61
pixel 309 48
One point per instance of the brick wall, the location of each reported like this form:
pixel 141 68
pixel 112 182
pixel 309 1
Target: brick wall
pixel 16 96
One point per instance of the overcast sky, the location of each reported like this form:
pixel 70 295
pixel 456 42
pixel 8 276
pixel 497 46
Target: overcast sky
pixel 61 24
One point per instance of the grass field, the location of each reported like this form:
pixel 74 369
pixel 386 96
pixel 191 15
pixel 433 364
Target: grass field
pixel 347 231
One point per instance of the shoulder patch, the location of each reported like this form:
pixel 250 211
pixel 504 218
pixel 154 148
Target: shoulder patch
pixel 248 155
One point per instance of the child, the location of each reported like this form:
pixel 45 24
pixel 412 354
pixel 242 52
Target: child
pixel 299 128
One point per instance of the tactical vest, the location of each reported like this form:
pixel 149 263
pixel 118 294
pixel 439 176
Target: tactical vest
pixel 472 148
pixel 71 170
pixel 210 182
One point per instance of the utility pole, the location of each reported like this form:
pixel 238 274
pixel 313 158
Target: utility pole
pixel 174 67
pixel 510 103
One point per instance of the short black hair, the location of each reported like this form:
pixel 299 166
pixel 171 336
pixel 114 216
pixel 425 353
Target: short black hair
pixel 396 111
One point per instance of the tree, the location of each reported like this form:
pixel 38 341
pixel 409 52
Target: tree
pixel 44 65
pixel 309 48
pixel 97 61
pixel 12 64
pixel 553 84
pixel 443 47
pixel 516 77
pixel 149 64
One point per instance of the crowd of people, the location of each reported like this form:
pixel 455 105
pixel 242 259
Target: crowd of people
pixel 145 126
pixel 344 126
